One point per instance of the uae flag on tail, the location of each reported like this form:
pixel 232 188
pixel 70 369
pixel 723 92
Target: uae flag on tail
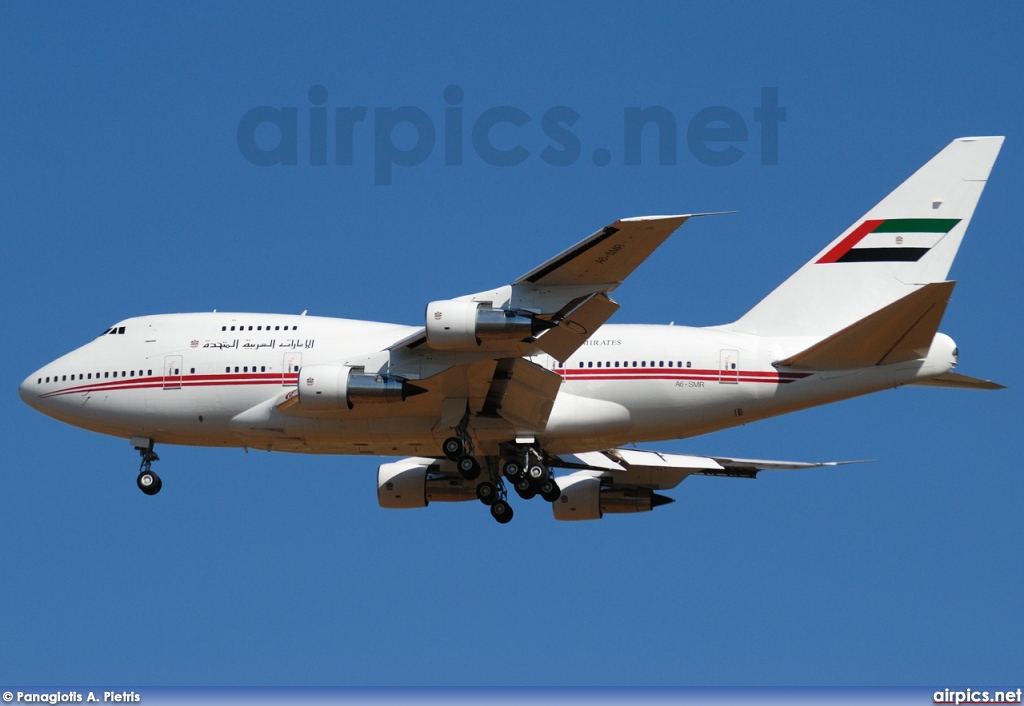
pixel 890 240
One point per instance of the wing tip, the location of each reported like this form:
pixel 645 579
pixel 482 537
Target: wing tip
pixel 683 216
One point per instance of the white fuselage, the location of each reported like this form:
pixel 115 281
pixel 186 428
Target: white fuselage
pixel 215 379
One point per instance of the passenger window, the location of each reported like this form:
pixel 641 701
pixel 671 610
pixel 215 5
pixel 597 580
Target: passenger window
pixel 263 368
pixel 250 328
pixel 259 328
pixel 616 364
pixel 106 375
pixel 64 378
pixel 245 369
pixel 149 372
pixel 223 328
pixel 90 376
pixel 236 368
pixel 47 378
pixel 115 373
pixel 277 328
pixel 192 371
pixel 227 369
pixel 295 328
pixel 687 364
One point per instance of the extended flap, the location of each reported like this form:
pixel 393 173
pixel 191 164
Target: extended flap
pixel 576 327
pixel 529 395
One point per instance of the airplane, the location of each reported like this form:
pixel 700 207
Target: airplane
pixel 499 388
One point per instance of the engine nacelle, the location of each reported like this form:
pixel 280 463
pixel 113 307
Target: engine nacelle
pixel 583 498
pixel 580 498
pixel 415 482
pixel 336 387
pixel 453 324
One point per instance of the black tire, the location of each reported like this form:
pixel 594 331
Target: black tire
pixel 550 491
pixel 525 489
pixel 487 492
pixel 501 511
pixel 453 448
pixel 149 483
pixel 469 468
pixel 511 470
pixel 537 472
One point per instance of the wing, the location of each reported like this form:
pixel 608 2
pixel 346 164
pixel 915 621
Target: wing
pixel 568 292
pixel 607 257
pixel 471 349
pixel 661 471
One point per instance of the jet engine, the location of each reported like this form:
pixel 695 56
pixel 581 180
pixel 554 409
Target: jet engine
pixel 415 482
pixel 583 498
pixel 334 387
pixel 454 324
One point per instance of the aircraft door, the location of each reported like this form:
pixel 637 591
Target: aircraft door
pixel 729 367
pixel 172 372
pixel 290 368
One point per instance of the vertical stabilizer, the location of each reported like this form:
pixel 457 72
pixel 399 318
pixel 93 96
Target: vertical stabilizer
pixel 905 242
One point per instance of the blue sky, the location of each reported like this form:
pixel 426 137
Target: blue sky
pixel 123 191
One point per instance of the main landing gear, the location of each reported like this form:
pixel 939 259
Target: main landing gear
pixel 148 481
pixel 460 450
pixel 524 468
pixel 494 496
pixel 531 476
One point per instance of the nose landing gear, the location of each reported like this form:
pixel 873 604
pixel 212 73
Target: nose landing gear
pixel 148 481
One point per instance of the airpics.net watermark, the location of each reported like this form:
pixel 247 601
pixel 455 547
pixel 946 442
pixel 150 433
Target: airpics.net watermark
pixel 406 136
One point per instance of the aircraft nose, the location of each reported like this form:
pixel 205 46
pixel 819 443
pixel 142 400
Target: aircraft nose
pixel 26 390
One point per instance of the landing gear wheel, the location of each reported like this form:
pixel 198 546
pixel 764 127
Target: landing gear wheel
pixel 512 470
pixel 501 511
pixel 549 490
pixel 149 483
pixel 469 468
pixel 486 492
pixel 537 472
pixel 453 448
pixel 525 489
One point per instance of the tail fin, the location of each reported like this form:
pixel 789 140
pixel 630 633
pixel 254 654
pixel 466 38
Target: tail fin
pixel 905 242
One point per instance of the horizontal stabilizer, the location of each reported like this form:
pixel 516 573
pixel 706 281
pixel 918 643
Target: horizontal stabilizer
pixel 897 333
pixel 961 381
